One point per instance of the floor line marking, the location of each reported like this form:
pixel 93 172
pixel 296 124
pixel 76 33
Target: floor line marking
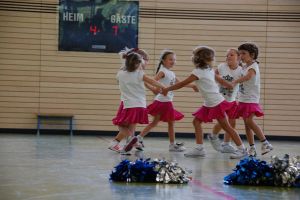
pixel 212 190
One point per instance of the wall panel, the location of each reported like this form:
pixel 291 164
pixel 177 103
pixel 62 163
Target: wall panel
pixel 36 77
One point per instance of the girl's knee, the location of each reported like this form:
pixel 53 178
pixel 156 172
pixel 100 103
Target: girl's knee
pixel 154 123
pixel 196 121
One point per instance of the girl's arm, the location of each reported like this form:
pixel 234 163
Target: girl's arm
pixel 159 75
pixel 152 82
pixel 249 75
pixel 223 82
pixel 181 84
pixel 153 89
pixel 191 85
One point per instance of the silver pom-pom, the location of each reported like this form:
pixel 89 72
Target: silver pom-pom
pixel 170 172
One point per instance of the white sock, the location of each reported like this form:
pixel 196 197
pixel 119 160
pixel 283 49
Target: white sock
pixel 265 142
pixel 241 147
pixel 225 143
pixel 115 142
pixel 199 146
pixel 214 136
pixel 140 138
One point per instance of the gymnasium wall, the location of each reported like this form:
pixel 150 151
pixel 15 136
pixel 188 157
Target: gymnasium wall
pixel 37 78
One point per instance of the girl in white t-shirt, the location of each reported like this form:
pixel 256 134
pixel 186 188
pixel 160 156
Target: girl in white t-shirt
pixel 249 95
pixel 133 100
pixel 215 105
pixel 229 71
pixel 162 108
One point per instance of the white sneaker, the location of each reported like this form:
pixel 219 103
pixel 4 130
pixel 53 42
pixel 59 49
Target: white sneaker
pixel 239 153
pixel 227 148
pixel 196 152
pixel 176 148
pixel 266 148
pixel 114 146
pixel 215 142
pixel 252 151
pixel 139 145
pixel 128 146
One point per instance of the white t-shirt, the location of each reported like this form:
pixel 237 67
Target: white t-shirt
pixel 208 86
pixel 250 90
pixel 229 75
pixel 168 80
pixel 132 88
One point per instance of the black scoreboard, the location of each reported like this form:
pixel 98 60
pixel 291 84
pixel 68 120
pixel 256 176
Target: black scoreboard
pixel 98 25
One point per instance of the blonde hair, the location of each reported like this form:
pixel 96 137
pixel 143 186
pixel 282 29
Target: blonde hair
pixel 203 56
pixel 233 49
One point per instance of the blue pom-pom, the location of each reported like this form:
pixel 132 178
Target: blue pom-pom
pixel 149 171
pixel 250 171
pixel 138 171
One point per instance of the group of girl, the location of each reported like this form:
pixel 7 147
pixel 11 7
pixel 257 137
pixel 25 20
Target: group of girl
pixel 219 89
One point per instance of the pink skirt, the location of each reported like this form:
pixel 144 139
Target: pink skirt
pixel 130 116
pixel 165 110
pixel 207 114
pixel 244 110
pixel 231 112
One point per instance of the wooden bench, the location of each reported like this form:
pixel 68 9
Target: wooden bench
pixel 66 117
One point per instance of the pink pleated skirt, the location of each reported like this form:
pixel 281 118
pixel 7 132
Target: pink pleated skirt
pixel 208 114
pixel 126 116
pixel 165 110
pixel 244 110
pixel 231 112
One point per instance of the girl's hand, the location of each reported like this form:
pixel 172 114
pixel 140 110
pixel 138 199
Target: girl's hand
pixel 164 91
pixel 156 91
pixel 195 88
pixel 233 83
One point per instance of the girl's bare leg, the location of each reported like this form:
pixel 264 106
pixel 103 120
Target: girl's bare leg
pixel 249 133
pixel 255 128
pixel 232 132
pixel 150 126
pixel 198 131
pixel 216 129
pixel 232 123
pixel 123 132
pixel 171 132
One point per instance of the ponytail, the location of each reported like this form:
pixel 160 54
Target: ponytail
pixel 158 68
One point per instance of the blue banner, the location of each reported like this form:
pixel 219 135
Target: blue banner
pixel 98 25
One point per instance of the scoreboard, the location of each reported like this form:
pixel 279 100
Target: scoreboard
pixel 98 25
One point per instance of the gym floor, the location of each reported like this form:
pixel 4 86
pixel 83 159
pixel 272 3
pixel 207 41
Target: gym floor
pixel 55 167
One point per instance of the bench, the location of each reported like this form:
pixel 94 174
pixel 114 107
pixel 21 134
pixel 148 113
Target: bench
pixel 65 117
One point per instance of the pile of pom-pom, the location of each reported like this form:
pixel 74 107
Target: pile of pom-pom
pixel 154 171
pixel 279 172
